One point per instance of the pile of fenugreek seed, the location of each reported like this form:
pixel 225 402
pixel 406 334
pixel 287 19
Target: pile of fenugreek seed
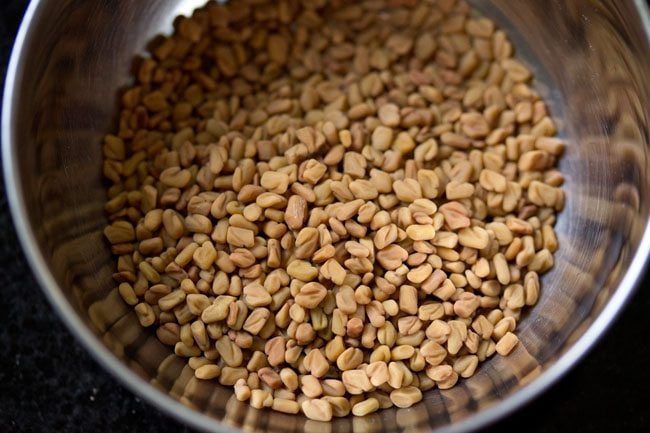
pixel 333 206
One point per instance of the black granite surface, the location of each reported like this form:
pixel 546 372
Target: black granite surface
pixel 48 383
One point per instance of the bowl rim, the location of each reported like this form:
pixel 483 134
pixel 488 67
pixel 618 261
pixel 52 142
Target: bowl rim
pixel 172 407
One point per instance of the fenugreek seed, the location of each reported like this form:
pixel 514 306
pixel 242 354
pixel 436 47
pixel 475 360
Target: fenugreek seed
pixel 242 258
pixel 349 359
pixel 340 405
pixel 356 382
pixel 419 274
pixel 240 237
pixel 242 391
pixel 316 363
pixel 205 256
pixel 171 300
pixel 145 313
pixel 296 212
pixel 119 232
pixel 256 320
pixel 349 209
pixel 429 182
pixel 302 270
pixel 365 407
pixel 402 352
pixel 459 190
pixel 275 181
pixel 382 138
pixel 501 268
pixel 492 181
pixel 230 353
pixel 175 177
pixel 542 194
pixel 407 190
pixel 455 215
pixel 310 295
pixel 317 410
pixel 404 143
pixel 392 257
pixel 285 406
pixel 406 397
pixel 207 372
pixel 218 310
pixel 128 294
pixel 473 237
pixel 506 344
pixel 149 272
pixel 363 189
pixel 421 232
pixel 198 224
pixel 385 236
pixel 255 295
pixel 180 349
pixel 260 398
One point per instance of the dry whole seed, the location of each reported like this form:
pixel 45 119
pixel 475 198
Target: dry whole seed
pixel 207 372
pixel 317 409
pixel 406 397
pixel 365 407
pixel 340 405
pixel 506 344
pixel 356 382
pixel 335 231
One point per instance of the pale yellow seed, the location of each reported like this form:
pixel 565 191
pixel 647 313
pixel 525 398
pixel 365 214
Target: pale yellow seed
pixel 506 344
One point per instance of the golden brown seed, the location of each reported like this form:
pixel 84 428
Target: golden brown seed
pixel 421 232
pixel 317 409
pixel 340 405
pixel 406 397
pixel 392 257
pixel 506 344
pixel 119 232
pixel 316 363
pixel 275 350
pixel 302 270
pixel 310 295
pixel 407 190
pixel 296 212
pixel 465 366
pixel 207 372
pixel 240 237
pixel 349 359
pixel 275 181
pixel 356 382
pixel 255 295
pixel 382 138
pixel 365 407
pixel 473 237
pixel 285 406
pixel 145 313
pixel 492 181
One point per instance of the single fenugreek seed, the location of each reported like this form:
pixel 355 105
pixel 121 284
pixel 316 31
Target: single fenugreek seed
pixel 317 409
pixel 207 372
pixel 421 232
pixel 365 407
pixel 506 344
pixel 406 397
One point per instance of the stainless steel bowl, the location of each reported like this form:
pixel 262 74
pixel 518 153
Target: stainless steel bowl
pixel 591 58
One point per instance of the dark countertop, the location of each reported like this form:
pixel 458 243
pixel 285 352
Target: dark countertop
pixel 48 383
